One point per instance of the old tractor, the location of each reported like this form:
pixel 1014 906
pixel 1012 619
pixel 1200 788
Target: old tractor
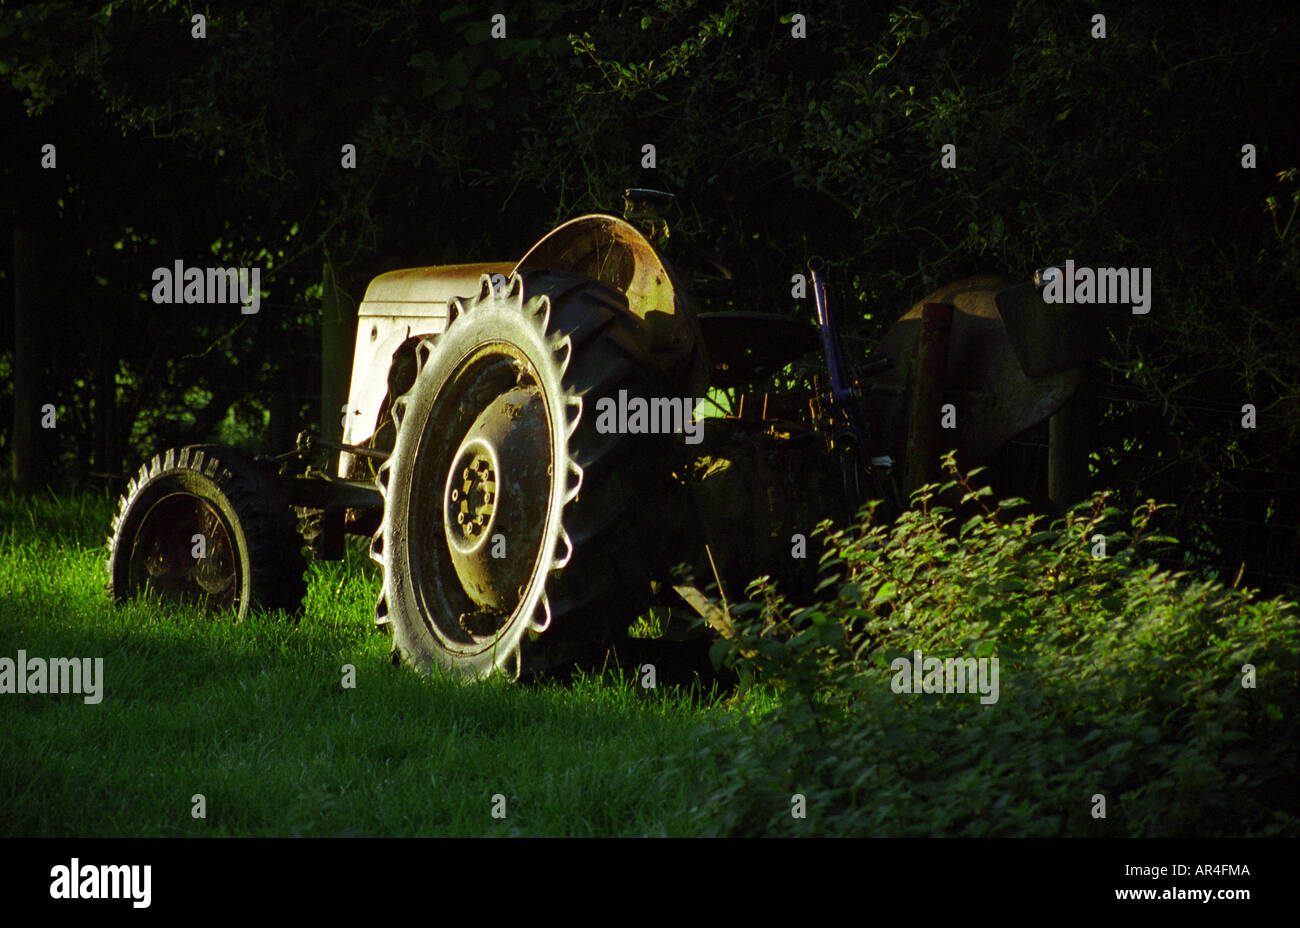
pixel 520 444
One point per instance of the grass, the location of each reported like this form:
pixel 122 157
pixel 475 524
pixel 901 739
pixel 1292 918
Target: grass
pixel 1119 679
pixel 253 717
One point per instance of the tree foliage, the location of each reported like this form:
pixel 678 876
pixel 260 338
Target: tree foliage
pixel 1122 151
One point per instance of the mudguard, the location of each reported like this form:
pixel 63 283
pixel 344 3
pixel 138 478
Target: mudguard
pixel 994 396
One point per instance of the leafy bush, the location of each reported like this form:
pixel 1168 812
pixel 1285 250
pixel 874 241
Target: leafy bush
pixel 1117 678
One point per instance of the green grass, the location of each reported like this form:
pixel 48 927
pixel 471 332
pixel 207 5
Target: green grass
pixel 1118 679
pixel 252 716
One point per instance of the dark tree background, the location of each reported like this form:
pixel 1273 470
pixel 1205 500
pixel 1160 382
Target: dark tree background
pixel 226 150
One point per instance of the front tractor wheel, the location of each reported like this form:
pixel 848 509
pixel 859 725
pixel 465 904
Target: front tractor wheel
pixel 205 525
pixel 515 535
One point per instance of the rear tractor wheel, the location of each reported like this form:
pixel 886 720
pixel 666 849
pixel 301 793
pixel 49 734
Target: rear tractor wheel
pixel 516 535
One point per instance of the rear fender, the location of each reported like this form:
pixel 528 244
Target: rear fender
pixel 616 253
pixel 994 398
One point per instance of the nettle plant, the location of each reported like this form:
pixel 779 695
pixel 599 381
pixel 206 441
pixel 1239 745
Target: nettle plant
pixel 1171 696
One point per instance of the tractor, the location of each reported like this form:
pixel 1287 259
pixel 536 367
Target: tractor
pixel 519 446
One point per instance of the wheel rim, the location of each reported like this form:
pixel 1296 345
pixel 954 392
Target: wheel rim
pixel 162 554
pixel 480 497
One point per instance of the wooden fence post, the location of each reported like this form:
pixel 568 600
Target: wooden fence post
pixel 338 331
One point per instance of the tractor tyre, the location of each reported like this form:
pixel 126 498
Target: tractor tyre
pixel 516 535
pixel 206 525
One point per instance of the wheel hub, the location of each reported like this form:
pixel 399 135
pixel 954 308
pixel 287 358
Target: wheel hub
pixel 162 554
pixel 496 498
pixel 470 501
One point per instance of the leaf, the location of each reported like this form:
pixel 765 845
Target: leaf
pixel 423 61
pixel 888 591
